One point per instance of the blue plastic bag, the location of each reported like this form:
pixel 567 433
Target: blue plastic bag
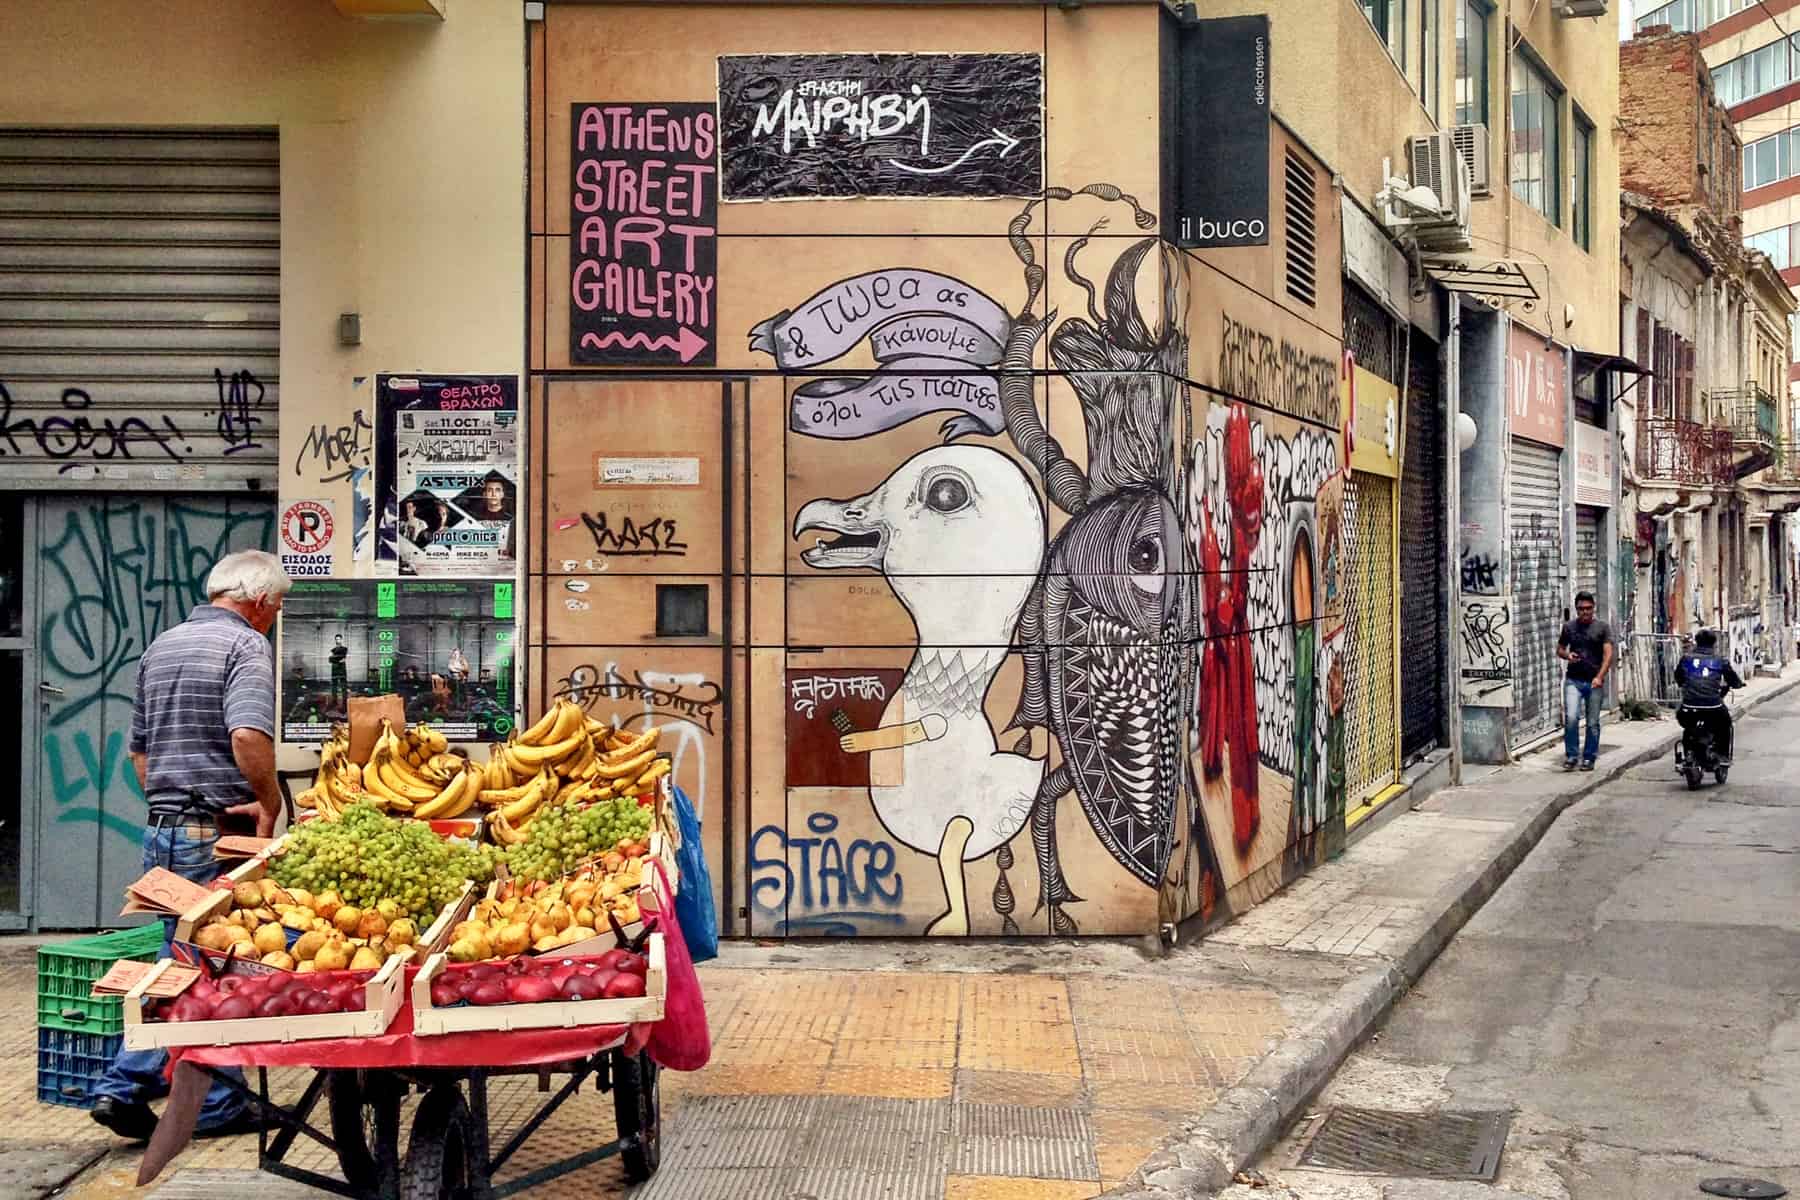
pixel 694 894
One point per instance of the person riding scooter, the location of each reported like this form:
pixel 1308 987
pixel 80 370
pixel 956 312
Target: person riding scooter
pixel 1705 678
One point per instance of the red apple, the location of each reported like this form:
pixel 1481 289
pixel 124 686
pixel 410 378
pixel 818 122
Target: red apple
pixel 315 1003
pixel 232 1008
pixel 582 987
pixel 624 984
pixel 634 963
pixel 530 989
pixel 444 993
pixel 277 1005
pixel 488 991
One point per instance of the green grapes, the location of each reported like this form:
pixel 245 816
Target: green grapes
pixel 367 856
pixel 560 838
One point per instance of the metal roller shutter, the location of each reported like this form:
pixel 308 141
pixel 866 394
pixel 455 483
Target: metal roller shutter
pixel 139 308
pixel 1587 550
pixel 1371 746
pixel 1423 610
pixel 1539 573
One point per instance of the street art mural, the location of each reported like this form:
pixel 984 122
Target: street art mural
pixel 1141 612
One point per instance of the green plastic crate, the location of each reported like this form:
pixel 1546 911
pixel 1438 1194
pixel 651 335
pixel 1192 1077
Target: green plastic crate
pixel 67 970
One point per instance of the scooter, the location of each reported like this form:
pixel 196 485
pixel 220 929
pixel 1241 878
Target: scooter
pixel 1696 755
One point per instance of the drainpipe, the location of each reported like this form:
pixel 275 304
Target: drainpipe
pixel 1452 351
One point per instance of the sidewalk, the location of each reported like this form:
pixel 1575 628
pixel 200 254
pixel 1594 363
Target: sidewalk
pixel 1048 1071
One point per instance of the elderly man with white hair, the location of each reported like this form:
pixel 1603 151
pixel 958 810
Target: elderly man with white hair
pixel 203 744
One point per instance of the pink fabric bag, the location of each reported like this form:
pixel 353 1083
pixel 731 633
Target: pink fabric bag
pixel 680 1041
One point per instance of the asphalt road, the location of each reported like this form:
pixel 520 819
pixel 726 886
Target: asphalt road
pixel 1631 995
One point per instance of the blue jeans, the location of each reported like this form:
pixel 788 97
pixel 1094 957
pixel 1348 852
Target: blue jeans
pixel 1579 697
pixel 136 1076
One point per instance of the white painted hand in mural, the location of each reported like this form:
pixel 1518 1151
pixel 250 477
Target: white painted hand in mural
pixel 958 531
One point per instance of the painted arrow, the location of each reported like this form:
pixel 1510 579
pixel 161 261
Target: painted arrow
pixel 1006 142
pixel 687 344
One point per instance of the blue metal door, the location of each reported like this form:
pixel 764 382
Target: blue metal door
pixel 112 573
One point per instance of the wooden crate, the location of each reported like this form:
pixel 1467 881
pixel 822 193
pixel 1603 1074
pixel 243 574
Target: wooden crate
pixel 434 938
pixel 430 1021
pixel 383 996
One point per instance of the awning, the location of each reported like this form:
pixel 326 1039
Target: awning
pixel 1589 362
pixel 1496 280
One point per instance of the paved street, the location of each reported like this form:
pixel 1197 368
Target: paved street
pixel 1632 994
pixel 1631 989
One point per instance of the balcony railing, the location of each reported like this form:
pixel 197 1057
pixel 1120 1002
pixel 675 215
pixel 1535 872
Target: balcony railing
pixel 1750 413
pixel 1685 452
pixel 1785 470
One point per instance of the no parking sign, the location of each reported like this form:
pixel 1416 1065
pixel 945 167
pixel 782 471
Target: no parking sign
pixel 306 531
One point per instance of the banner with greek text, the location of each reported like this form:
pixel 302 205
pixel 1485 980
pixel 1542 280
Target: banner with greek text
pixel 934 337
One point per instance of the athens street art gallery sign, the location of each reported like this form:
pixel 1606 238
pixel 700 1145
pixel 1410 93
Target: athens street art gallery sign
pixel 643 258
pixel 824 125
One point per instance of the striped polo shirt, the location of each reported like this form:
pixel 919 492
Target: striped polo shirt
pixel 209 675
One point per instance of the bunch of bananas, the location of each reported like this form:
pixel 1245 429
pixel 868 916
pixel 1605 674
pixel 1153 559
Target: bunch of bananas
pixel 409 774
pixel 567 758
pixel 416 775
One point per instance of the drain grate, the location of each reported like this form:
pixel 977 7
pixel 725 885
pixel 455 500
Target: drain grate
pixel 1746 1189
pixel 1435 1145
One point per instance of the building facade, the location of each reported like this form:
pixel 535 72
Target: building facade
pixel 1712 451
pixel 1037 492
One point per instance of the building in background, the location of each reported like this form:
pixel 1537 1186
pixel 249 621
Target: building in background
pixel 1714 431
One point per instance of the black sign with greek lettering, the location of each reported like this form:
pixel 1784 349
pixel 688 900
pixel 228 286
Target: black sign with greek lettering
pixel 1220 94
pixel 823 125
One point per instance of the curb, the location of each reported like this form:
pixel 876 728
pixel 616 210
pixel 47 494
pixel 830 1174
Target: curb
pixel 1249 1117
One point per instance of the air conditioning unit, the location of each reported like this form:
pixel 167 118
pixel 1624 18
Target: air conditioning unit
pixel 1431 209
pixel 1472 143
pixel 1580 8
pixel 1432 160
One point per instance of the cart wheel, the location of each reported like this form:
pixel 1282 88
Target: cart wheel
pixel 437 1160
pixel 637 1105
pixel 365 1124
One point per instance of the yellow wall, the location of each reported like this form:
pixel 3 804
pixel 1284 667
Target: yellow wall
pixel 798 846
pixel 401 173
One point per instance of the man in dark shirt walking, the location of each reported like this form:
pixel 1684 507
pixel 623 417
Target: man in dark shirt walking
pixel 203 744
pixel 1587 646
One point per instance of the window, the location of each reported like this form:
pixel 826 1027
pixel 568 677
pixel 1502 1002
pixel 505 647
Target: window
pixel 1581 198
pixel 681 610
pixel 1777 243
pixel 1762 70
pixel 1428 56
pixel 1471 62
pixel 1772 159
pixel 1389 19
pixel 1536 138
pixel 1686 16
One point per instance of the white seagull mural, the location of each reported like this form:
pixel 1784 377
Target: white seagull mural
pixel 958 532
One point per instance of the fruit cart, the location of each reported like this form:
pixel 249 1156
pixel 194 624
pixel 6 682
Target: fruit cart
pixel 363 1086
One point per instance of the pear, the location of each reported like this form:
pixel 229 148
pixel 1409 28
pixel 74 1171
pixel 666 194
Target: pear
pixel 402 932
pixel 214 937
pixel 512 939
pixel 366 960
pixel 246 894
pixel 389 910
pixel 301 898
pixel 270 938
pixel 347 918
pixel 326 903
pixel 279 959
pixel 331 957
pixel 372 924
pixel 306 966
pixel 298 918
pixel 308 945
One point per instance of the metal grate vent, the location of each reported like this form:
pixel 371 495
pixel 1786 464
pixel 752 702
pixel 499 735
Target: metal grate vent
pixel 1371 750
pixel 1371 335
pixel 1436 1145
pixel 1301 227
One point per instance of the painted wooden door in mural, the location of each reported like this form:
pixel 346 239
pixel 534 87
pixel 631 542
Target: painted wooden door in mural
pixel 629 606
pixel 113 572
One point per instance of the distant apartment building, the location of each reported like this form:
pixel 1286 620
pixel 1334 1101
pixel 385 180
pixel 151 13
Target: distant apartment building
pixel 1752 48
